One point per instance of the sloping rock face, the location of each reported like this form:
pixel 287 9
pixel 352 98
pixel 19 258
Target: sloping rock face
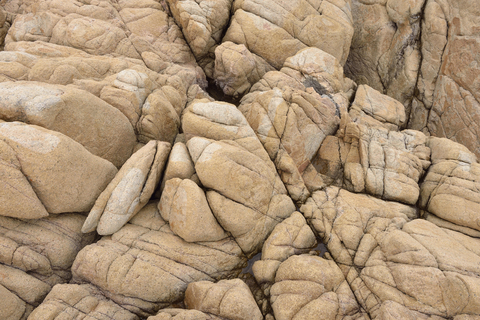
pixel 128 190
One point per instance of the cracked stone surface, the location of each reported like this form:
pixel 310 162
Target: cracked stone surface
pixel 212 150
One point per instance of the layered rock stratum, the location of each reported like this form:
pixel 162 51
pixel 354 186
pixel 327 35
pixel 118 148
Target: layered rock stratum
pixel 239 159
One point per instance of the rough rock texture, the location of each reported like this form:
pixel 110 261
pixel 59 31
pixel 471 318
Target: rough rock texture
pixel 245 192
pixel 387 258
pixel 130 190
pixel 71 301
pixel 227 299
pixel 182 314
pixel 47 172
pixel 203 23
pixel 308 286
pixel 145 266
pixel 386 164
pixel 385 51
pixel 450 192
pixel 448 86
pixel 34 256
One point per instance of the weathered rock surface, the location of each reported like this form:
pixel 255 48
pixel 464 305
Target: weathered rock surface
pixel 450 192
pixel 130 190
pixel 36 255
pixel 448 86
pixel 386 257
pixel 46 172
pixel 144 266
pixel 99 127
pixel 385 51
pixel 71 301
pixel 308 286
pixel 227 299
pixel 245 192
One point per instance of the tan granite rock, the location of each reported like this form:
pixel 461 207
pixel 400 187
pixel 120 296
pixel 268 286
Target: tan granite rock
pixel 307 287
pixel 450 191
pixel 227 299
pixel 179 164
pixel 36 255
pixel 144 266
pixel 182 314
pixel 99 127
pixel 448 86
pixel 71 301
pixel 184 205
pixel 387 257
pixel 386 164
pixel 385 51
pixel 50 166
pixel 130 190
pixel 203 23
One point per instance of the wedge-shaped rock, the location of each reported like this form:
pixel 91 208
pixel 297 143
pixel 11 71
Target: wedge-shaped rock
pixel 227 299
pixel 63 175
pixel 276 30
pixel 373 109
pixel 237 69
pixel 203 24
pixel 450 191
pixel 245 192
pixel 180 164
pixel 386 164
pixel 144 266
pixel 291 124
pixel 72 301
pixel 130 190
pixel 36 255
pixel 184 205
pixel 309 287
pixel 99 127
pixel 291 237
pixel 385 52
pixel 386 257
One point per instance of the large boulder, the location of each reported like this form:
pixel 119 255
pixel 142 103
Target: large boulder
pixel 46 171
pixel 35 256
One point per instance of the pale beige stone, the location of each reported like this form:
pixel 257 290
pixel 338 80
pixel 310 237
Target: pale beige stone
pixel 62 173
pixel 99 127
pixel 180 164
pixel 130 190
pixel 184 205
pixel 182 314
pixel 144 266
pixel 308 286
pixel 228 299
pixel 71 301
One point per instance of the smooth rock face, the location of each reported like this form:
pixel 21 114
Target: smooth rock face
pixel 145 266
pixel 63 175
pixel 99 127
pixel 36 255
pixel 130 190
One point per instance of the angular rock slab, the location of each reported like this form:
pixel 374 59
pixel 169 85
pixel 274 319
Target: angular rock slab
pixel 386 164
pixel 48 166
pixel 450 192
pixel 72 301
pixel 227 299
pixel 386 257
pixel 99 127
pixel 291 124
pixel 245 192
pixel 308 286
pixel 36 255
pixel 144 266
pixel 130 190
